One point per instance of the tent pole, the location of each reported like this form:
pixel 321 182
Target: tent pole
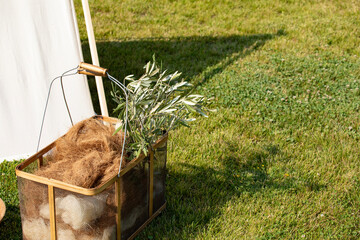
pixel 94 57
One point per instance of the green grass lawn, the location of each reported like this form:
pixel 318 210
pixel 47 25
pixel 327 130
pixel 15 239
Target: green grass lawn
pixel 280 157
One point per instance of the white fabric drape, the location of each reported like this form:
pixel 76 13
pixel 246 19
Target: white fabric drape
pixel 39 40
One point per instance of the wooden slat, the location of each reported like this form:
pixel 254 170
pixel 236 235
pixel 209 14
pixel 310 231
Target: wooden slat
pixel 34 157
pixel 151 184
pixel 147 222
pixel 132 164
pixel 118 204
pixel 52 212
pixel 65 186
pixel 164 138
pixel 40 162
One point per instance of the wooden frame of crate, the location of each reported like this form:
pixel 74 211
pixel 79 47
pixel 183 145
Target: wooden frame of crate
pixel 53 184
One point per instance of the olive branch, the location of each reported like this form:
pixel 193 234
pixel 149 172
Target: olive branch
pixel 157 103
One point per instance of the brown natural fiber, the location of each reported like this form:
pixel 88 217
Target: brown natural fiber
pixel 88 155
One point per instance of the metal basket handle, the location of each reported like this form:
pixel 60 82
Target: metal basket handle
pixel 92 70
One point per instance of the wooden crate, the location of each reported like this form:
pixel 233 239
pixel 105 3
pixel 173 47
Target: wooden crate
pixel 133 200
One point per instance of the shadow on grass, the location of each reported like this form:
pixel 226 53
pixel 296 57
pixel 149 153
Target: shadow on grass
pixel 198 58
pixel 198 194
pixel 10 226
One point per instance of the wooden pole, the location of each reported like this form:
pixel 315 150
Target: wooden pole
pixel 94 57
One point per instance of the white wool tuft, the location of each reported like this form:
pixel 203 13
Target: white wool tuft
pixel 45 211
pixel 89 237
pixel 79 212
pixel 36 229
pixel 65 234
pixel 109 233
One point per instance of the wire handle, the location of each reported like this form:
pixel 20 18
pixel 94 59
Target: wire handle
pixel 91 70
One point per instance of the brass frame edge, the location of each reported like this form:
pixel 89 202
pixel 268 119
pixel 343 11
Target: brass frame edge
pixel 70 187
pixel 118 203
pixel 151 183
pixel 147 221
pixel 52 211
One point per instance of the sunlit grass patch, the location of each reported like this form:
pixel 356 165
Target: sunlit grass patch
pixel 280 157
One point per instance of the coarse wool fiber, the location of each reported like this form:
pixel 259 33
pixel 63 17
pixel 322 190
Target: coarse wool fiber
pixel 65 234
pixel 86 156
pixel 108 234
pixel 75 211
pixel 38 229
